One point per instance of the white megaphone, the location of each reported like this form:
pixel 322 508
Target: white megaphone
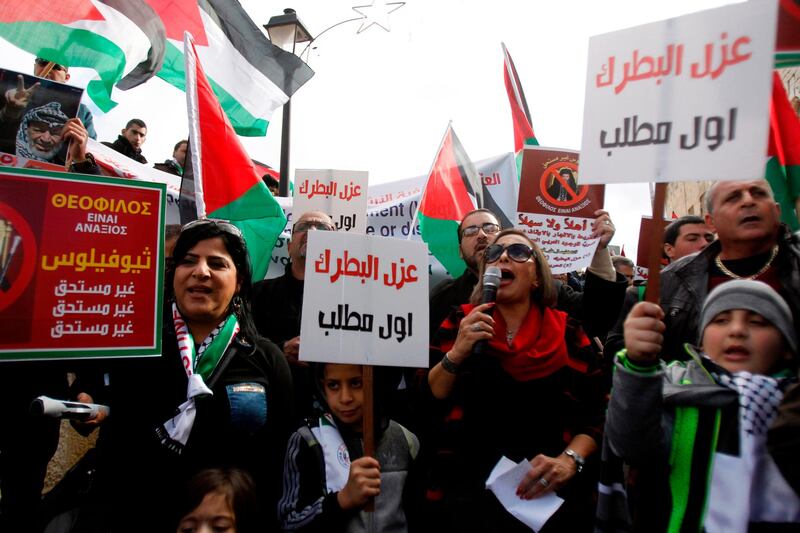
pixel 44 406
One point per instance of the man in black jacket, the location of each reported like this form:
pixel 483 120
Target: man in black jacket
pixel 474 233
pixel 751 244
pixel 130 140
pixel 278 306
pixel 177 162
pixel 684 236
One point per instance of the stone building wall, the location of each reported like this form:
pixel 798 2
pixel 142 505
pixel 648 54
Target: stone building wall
pixel 687 198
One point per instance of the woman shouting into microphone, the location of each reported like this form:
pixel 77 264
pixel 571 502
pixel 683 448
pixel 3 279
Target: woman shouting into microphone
pixel 533 392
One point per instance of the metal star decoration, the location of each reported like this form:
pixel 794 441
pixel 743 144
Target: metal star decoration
pixel 377 13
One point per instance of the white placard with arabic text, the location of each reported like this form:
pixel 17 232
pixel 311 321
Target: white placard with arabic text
pixel 681 99
pixel 640 273
pixel 566 242
pixel 365 300
pixel 342 194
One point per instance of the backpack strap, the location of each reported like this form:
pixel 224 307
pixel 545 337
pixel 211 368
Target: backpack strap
pixel 413 443
pixel 314 445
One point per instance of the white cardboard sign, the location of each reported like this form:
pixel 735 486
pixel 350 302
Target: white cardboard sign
pixel 365 300
pixel 682 99
pixel 342 194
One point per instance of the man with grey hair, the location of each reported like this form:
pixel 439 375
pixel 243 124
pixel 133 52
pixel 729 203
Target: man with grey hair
pixel 278 305
pixel 623 266
pixel 39 134
pixel 751 244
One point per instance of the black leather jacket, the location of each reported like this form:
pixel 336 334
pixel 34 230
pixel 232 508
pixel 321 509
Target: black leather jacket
pixel 684 286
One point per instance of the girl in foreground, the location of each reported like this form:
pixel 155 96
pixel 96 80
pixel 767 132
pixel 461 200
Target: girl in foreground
pixel 219 500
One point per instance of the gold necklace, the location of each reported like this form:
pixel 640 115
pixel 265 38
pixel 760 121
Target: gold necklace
pixel 730 274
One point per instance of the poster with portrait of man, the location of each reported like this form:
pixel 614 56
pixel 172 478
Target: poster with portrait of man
pixel 33 112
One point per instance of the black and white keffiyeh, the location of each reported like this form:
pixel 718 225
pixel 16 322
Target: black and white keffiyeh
pixel 759 397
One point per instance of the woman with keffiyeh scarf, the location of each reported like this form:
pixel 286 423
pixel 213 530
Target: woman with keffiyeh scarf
pixel 219 395
pixel 535 393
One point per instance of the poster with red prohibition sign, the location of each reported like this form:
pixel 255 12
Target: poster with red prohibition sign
pixel 554 210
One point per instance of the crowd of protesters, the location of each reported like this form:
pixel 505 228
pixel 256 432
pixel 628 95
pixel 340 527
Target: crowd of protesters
pixel 682 416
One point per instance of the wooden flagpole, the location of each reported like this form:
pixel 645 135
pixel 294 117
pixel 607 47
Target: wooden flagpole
pixel 653 292
pixel 368 422
pixel 47 69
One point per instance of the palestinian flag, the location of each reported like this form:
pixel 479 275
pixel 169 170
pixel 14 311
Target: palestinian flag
pixel 250 76
pixel 88 33
pixel 227 186
pixel 520 115
pixel 263 168
pixel 523 130
pixel 451 192
pixel 783 165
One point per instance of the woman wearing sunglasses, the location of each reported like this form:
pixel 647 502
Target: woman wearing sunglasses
pixel 533 392
pixel 219 396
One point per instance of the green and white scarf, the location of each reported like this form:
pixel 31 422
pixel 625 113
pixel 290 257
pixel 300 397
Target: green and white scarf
pixel 199 365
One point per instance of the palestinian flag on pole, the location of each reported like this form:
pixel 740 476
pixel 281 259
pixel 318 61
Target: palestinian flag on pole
pixel 89 33
pixel 523 130
pixel 783 165
pixel 452 191
pixel 250 76
pixel 227 186
pixel 520 115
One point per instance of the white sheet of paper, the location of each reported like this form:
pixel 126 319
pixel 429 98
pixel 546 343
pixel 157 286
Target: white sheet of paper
pixel 504 480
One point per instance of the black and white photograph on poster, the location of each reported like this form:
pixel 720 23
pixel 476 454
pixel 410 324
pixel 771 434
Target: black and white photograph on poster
pixel 33 112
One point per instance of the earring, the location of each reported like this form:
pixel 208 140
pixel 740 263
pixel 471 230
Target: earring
pixel 236 303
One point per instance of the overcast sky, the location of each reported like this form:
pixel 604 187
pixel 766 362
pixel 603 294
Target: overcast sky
pixel 380 101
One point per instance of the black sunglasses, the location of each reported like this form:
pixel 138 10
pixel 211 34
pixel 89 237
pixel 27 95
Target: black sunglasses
pixel 43 63
pixel 489 228
pixel 227 227
pixel 516 252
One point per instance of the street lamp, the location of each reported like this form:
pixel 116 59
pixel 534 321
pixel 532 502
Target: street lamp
pixel 285 31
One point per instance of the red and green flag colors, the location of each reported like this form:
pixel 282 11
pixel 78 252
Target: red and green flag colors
pixel 787 45
pixel 520 115
pixel 250 76
pixel 783 165
pixel 451 192
pixel 122 40
pixel 227 186
pixel 129 41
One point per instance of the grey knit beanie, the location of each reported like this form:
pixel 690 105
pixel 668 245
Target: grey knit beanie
pixel 754 296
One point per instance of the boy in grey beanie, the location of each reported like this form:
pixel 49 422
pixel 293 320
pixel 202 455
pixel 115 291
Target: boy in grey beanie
pixel 703 423
pixel 754 296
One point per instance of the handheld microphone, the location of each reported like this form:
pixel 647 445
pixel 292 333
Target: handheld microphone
pixel 44 406
pixel 491 281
